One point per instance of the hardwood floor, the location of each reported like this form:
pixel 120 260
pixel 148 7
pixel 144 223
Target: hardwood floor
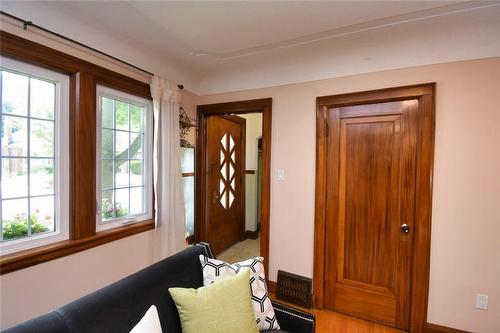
pixel 334 322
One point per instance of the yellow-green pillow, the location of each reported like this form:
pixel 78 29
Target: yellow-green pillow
pixel 221 307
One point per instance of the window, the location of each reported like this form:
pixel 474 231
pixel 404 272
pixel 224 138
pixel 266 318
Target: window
pixel 34 156
pixel 48 182
pixel 187 165
pixel 124 158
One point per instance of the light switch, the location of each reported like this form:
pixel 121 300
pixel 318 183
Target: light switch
pixel 482 302
pixel 281 174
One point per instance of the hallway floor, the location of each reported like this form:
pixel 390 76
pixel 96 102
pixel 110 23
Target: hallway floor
pixel 249 248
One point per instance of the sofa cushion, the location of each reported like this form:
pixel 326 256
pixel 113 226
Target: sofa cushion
pixel 222 307
pixel 150 323
pixel 215 270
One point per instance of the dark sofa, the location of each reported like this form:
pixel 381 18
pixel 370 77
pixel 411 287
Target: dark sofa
pixel 119 306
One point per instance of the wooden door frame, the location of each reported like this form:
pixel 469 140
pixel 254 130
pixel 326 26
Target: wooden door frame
pixel 263 106
pixel 425 94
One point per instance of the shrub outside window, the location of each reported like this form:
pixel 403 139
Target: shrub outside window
pixel 124 158
pixel 34 156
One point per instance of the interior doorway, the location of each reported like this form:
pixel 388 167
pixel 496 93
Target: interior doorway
pixel 233 178
pixel 373 191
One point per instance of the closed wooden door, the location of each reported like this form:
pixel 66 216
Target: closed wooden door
pixel 225 168
pixel 370 202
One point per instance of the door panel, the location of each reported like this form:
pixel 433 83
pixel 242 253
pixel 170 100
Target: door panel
pixel 370 193
pixel 225 188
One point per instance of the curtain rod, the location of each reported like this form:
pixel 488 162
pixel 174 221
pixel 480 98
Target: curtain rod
pixel 27 24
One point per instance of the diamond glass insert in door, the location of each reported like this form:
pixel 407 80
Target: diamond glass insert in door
pixel 227 171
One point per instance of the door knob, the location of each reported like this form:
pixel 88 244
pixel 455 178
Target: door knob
pixel 215 197
pixel 405 228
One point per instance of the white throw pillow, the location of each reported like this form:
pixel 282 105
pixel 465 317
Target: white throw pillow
pixel 150 323
pixel 214 270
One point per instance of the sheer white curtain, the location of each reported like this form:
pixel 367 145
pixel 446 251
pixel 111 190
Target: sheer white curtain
pixel 170 223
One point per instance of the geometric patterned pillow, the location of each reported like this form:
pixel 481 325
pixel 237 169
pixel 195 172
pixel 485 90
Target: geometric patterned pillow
pixel 214 270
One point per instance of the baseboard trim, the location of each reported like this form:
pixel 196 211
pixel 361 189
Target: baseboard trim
pixel 434 328
pixel 271 286
pixel 252 234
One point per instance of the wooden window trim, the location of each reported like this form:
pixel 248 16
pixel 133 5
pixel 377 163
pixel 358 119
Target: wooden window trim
pixel 84 77
pixel 19 260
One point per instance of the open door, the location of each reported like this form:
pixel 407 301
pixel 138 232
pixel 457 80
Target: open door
pixel 225 188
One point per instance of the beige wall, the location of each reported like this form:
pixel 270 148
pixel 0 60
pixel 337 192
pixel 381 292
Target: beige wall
pixel 466 219
pixel 253 132
pixel 39 289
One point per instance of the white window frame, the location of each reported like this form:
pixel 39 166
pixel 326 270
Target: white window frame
pixel 148 158
pixel 61 158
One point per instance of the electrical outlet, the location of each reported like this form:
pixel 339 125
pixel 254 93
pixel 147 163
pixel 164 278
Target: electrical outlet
pixel 482 302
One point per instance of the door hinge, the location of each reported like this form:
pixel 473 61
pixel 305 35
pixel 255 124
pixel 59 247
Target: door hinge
pixel 327 128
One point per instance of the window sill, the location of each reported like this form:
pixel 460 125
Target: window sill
pixel 19 260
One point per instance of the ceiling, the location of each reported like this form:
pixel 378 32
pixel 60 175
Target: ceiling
pixel 224 29
pixel 212 36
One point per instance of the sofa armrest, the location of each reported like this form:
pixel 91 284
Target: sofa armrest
pixel 293 320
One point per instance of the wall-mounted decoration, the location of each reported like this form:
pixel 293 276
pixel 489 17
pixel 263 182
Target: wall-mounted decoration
pixel 185 124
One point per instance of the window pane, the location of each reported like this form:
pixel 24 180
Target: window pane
pixel 122 172
pixel 136 145
pixel 14 136
pixel 121 115
pixel 29 126
pixel 107 205
pixel 107 143
pixel 41 176
pixel 107 173
pixel 108 113
pixel 14 218
pixel 122 144
pixel 136 118
pixel 136 200
pixel 121 177
pixel 42 138
pixel 136 169
pixel 231 198
pixel 188 189
pixel 14 93
pixel 42 95
pixel 14 177
pixel 42 214
pixel 121 204
pixel 187 159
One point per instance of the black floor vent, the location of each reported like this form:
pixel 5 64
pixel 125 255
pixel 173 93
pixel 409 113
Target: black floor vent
pixel 294 288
